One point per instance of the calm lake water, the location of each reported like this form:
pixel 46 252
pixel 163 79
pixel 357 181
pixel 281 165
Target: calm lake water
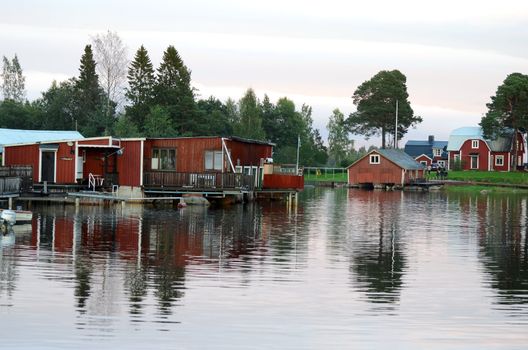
pixel 348 269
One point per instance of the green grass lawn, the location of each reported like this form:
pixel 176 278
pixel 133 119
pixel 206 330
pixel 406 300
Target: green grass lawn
pixel 517 177
pixel 341 177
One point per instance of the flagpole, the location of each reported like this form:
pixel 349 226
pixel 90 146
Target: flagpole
pixel 396 128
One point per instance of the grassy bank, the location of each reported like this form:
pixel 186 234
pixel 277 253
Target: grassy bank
pixel 496 177
pixel 340 177
pixel 483 189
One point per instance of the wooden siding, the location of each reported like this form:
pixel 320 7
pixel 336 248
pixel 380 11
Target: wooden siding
pixel 503 167
pixel 386 172
pixel 201 181
pixel 23 155
pixel 65 164
pixel 482 151
pixel 129 163
pixel 243 153
pixel 279 182
pixel 104 141
pixel 423 158
pixel 189 152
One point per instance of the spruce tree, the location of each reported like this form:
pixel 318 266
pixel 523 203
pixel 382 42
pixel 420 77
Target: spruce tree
pixel 92 118
pixel 140 92
pixel 174 92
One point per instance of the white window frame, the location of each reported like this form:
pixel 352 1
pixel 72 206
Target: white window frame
pixel 437 152
pixel 501 158
pixel 54 166
pixel 156 163
pixel 216 162
pixel 441 163
pixel 424 163
pixel 475 144
pixel 374 159
pixel 471 162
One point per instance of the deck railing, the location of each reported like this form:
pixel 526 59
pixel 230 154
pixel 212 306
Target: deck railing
pixel 10 185
pixel 24 172
pixel 201 181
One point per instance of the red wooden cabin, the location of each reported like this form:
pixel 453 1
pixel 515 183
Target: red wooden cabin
pixel 183 163
pixel 385 167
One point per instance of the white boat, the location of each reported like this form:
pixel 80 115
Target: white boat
pixel 21 216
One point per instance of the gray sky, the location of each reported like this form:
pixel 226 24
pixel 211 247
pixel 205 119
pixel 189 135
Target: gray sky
pixel 454 53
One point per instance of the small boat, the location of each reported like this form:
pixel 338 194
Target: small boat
pixel 21 216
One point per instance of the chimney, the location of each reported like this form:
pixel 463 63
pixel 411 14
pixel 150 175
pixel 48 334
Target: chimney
pixel 431 139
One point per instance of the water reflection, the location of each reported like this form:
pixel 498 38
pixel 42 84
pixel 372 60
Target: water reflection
pixel 502 238
pixel 378 261
pixel 343 256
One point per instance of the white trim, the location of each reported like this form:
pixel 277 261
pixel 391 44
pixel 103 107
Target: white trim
pixel 141 152
pixel 98 146
pixel 489 160
pixel 499 156
pixel 509 162
pixel 474 142
pixel 424 155
pixel 371 161
pixel 3 157
pixel 76 160
pixel 224 146
pixel 439 153
pixel 471 162
pixel 133 139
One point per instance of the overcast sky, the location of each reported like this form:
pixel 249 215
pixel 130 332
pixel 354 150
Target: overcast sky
pixel 454 53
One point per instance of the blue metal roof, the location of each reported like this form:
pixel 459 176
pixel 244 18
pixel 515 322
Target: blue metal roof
pixel 416 148
pixel 14 136
pixel 401 158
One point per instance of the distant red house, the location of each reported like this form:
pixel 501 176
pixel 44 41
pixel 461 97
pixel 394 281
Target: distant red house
pixel 183 162
pixel 469 150
pixel 385 167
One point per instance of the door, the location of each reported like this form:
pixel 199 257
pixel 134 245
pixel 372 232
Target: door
pixel 47 171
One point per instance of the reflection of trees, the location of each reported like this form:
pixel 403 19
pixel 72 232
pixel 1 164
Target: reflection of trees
pixel 83 271
pixel 377 260
pixel 504 246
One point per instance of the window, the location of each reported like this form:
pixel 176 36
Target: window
pixel 456 157
pixel 474 143
pixel 474 162
pixel 213 160
pixel 499 160
pixel 374 159
pixel 424 163
pixel 437 152
pixel 441 163
pixel 163 159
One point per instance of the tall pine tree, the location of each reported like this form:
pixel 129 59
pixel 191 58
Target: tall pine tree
pixel 92 119
pixel 173 91
pixel 140 91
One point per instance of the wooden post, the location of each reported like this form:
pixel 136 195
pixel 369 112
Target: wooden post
pixel 10 201
pixel 77 202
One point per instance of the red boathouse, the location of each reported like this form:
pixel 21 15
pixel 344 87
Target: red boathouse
pixel 178 164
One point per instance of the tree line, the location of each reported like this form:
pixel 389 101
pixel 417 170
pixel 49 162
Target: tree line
pixel 112 96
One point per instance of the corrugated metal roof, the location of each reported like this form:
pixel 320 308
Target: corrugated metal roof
pixel 401 158
pixel 502 143
pixel 14 136
pixel 416 148
pixel 460 135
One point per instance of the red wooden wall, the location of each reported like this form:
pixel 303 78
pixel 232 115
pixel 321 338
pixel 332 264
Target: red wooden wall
pixel 280 181
pixel 386 172
pixel 129 163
